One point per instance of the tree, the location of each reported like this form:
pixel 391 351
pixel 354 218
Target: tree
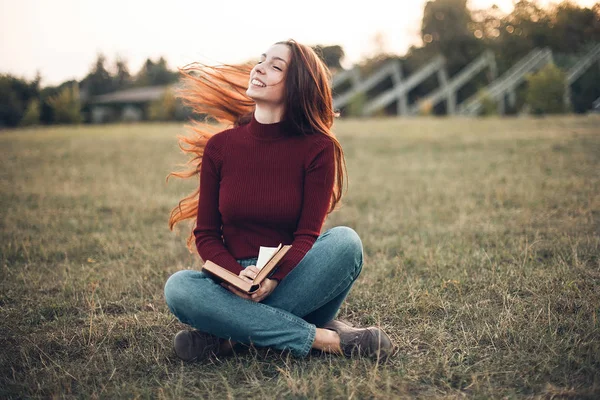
pixel 46 111
pixel 99 80
pixel 11 106
pixel 143 77
pixel 122 78
pixel 331 56
pixel 445 30
pixel 154 74
pixel 568 30
pixel 525 28
pixel 573 27
pixel 15 95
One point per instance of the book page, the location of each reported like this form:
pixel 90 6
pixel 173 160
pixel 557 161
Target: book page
pixel 271 264
pixel 264 255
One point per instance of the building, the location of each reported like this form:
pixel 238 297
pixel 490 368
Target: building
pixel 126 105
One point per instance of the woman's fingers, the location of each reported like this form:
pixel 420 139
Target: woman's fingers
pixel 249 273
pixel 266 288
pixel 259 294
pixel 252 268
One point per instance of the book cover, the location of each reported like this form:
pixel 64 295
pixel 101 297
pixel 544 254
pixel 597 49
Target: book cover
pixel 223 274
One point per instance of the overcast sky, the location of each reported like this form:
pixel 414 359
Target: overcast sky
pixel 61 38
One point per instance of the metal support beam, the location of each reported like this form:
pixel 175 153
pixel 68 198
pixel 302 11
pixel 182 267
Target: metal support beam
pixel 450 98
pixel 582 65
pixel 402 105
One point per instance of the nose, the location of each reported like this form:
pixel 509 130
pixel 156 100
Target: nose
pixel 260 68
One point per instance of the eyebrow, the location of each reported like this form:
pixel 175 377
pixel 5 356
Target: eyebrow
pixel 276 58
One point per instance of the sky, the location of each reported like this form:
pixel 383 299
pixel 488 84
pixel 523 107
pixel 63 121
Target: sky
pixel 62 38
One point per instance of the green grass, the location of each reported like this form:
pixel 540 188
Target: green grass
pixel 482 261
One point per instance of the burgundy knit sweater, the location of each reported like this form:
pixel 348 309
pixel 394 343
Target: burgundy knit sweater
pixel 262 185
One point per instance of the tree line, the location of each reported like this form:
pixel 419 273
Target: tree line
pixel 448 28
pixel 27 103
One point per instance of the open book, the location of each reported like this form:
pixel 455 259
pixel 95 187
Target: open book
pixel 222 274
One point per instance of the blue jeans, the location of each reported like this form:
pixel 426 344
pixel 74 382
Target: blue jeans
pixel 307 298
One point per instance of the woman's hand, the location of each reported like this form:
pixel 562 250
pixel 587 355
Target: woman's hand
pixel 248 274
pixel 265 289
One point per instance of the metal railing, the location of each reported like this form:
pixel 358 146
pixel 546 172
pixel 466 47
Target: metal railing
pixel 508 82
pixel 497 90
pixel 448 92
pixel 400 90
pixel 363 86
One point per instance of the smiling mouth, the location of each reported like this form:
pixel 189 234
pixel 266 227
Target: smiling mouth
pixel 258 83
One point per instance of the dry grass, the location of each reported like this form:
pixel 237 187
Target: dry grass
pixel 482 243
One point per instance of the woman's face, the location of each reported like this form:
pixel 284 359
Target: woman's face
pixel 267 78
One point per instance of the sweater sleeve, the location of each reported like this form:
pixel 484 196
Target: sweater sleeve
pixel 208 230
pixel 318 188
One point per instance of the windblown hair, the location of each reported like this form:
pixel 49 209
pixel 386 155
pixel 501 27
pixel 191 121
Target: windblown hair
pixel 220 92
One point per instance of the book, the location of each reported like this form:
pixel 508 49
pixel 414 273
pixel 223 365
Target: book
pixel 222 274
pixel 264 255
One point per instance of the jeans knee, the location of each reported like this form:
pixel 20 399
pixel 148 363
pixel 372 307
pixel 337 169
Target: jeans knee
pixel 175 292
pixel 350 245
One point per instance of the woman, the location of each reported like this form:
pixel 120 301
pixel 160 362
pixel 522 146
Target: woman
pixel 271 179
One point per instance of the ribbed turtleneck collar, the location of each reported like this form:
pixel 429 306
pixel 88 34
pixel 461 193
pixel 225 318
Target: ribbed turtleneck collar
pixel 267 131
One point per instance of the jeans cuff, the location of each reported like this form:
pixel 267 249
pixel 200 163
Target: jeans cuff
pixel 310 339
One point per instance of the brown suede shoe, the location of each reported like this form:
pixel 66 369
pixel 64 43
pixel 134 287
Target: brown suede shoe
pixel 195 345
pixel 371 342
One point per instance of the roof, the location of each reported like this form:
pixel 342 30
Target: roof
pixel 135 95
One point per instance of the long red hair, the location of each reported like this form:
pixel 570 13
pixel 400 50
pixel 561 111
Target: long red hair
pixel 220 92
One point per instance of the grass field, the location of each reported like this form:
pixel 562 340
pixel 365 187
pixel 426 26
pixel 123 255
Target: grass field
pixel 482 261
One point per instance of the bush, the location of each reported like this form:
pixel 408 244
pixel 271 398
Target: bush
pixel 66 106
pixel 164 108
pixel 489 106
pixel 425 108
pixel 32 114
pixel 546 90
pixel 356 105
